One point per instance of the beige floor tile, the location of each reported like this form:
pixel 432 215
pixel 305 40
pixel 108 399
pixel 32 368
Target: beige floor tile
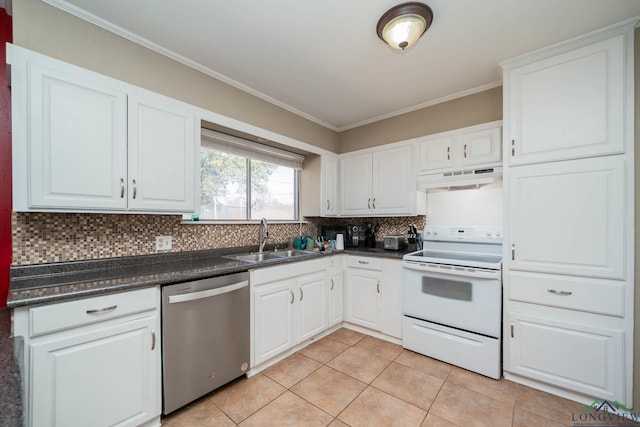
pixel 523 418
pixel 408 384
pixel 329 389
pixel 425 364
pixel 359 364
pixel 502 389
pixel 324 350
pixel 346 336
pixel 468 408
pixel 376 408
pixel 380 347
pixel 292 369
pixel 338 423
pixel 436 421
pixel 546 405
pixel 202 413
pixel 288 410
pixel 245 396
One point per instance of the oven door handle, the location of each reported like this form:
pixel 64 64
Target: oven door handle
pixel 453 271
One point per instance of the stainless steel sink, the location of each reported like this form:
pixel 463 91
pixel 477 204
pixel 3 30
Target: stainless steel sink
pixel 255 257
pixel 291 253
pixel 270 256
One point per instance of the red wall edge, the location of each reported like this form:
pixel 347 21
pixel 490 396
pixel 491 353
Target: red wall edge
pixel 6 31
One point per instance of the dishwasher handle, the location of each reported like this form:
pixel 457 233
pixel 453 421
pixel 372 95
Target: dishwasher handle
pixel 207 293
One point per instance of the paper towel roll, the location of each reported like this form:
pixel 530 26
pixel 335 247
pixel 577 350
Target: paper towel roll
pixel 340 242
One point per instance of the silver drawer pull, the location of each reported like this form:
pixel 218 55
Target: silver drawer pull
pixel 292 296
pixel 363 262
pixel 563 293
pixel 102 310
pixel 153 339
pixel 135 189
pixel 121 188
pixel 331 283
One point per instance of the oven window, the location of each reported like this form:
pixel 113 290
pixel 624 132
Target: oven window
pixel 445 288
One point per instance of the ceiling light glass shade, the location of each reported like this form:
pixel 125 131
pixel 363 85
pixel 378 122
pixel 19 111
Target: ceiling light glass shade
pixel 402 25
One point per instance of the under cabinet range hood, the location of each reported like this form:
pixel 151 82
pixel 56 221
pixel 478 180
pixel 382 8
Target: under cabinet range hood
pixel 460 180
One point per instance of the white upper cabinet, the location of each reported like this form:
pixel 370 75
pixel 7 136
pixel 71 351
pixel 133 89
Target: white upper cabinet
pixel 161 155
pixel 570 105
pixel 329 187
pixel 461 148
pixel 83 142
pixel 355 172
pixel 77 141
pixel 568 217
pixel 378 182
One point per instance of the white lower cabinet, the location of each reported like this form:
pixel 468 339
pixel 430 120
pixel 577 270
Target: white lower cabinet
pixel 100 367
pixel 374 294
pixel 290 305
pixel 363 297
pixel 579 357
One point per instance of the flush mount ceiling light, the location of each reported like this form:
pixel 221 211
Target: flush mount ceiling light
pixel 402 25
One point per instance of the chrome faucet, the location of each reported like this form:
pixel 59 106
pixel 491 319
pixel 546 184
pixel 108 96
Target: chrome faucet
pixel 264 233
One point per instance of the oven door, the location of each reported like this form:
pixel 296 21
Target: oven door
pixel 455 298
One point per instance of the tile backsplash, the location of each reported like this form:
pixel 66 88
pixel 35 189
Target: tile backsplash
pixel 39 238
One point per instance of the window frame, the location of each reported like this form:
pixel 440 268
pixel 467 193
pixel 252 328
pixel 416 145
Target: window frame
pixel 245 147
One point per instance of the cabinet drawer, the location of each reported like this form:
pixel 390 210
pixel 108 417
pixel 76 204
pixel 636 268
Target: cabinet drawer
pixel 576 293
pixel 65 315
pixel 364 262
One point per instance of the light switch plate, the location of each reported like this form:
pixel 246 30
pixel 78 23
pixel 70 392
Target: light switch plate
pixel 163 243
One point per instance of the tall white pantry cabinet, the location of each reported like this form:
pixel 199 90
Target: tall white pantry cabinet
pixel 569 217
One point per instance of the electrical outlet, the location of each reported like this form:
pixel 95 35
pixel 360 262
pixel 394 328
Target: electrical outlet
pixel 163 243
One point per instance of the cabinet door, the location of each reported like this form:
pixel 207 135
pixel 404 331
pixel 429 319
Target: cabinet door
pixel 109 376
pixel 391 298
pixel 329 199
pixel 577 357
pixel 363 297
pixel 568 218
pixel 568 106
pixel 312 306
pixel 436 153
pixel 273 319
pixel 392 184
pixel 336 298
pixel 482 147
pixel 355 174
pixel 77 141
pixel 162 150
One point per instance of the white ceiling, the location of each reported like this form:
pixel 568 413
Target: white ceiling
pixel 323 60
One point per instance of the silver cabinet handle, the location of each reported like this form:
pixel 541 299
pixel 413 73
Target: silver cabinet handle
pixel 513 147
pixel 292 296
pixel 153 339
pixel 301 294
pixel 374 203
pixel 369 203
pixel 465 151
pixel 511 329
pixel 121 188
pixel 448 153
pixel 102 310
pixel 362 262
pixel 328 204
pixel 135 189
pixel 378 287
pixel 331 283
pixel 561 293
pixel 191 296
pixel 513 252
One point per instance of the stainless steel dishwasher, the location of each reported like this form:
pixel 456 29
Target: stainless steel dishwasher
pixel 205 337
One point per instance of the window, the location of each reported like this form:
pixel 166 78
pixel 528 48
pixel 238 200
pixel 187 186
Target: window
pixel 243 180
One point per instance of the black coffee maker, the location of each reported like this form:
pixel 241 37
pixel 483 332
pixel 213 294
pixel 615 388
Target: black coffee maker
pixel 370 231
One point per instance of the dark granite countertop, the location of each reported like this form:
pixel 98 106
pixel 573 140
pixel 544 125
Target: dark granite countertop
pixel 10 381
pixel 49 283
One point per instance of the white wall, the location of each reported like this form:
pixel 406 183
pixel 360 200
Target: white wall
pixel 481 206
